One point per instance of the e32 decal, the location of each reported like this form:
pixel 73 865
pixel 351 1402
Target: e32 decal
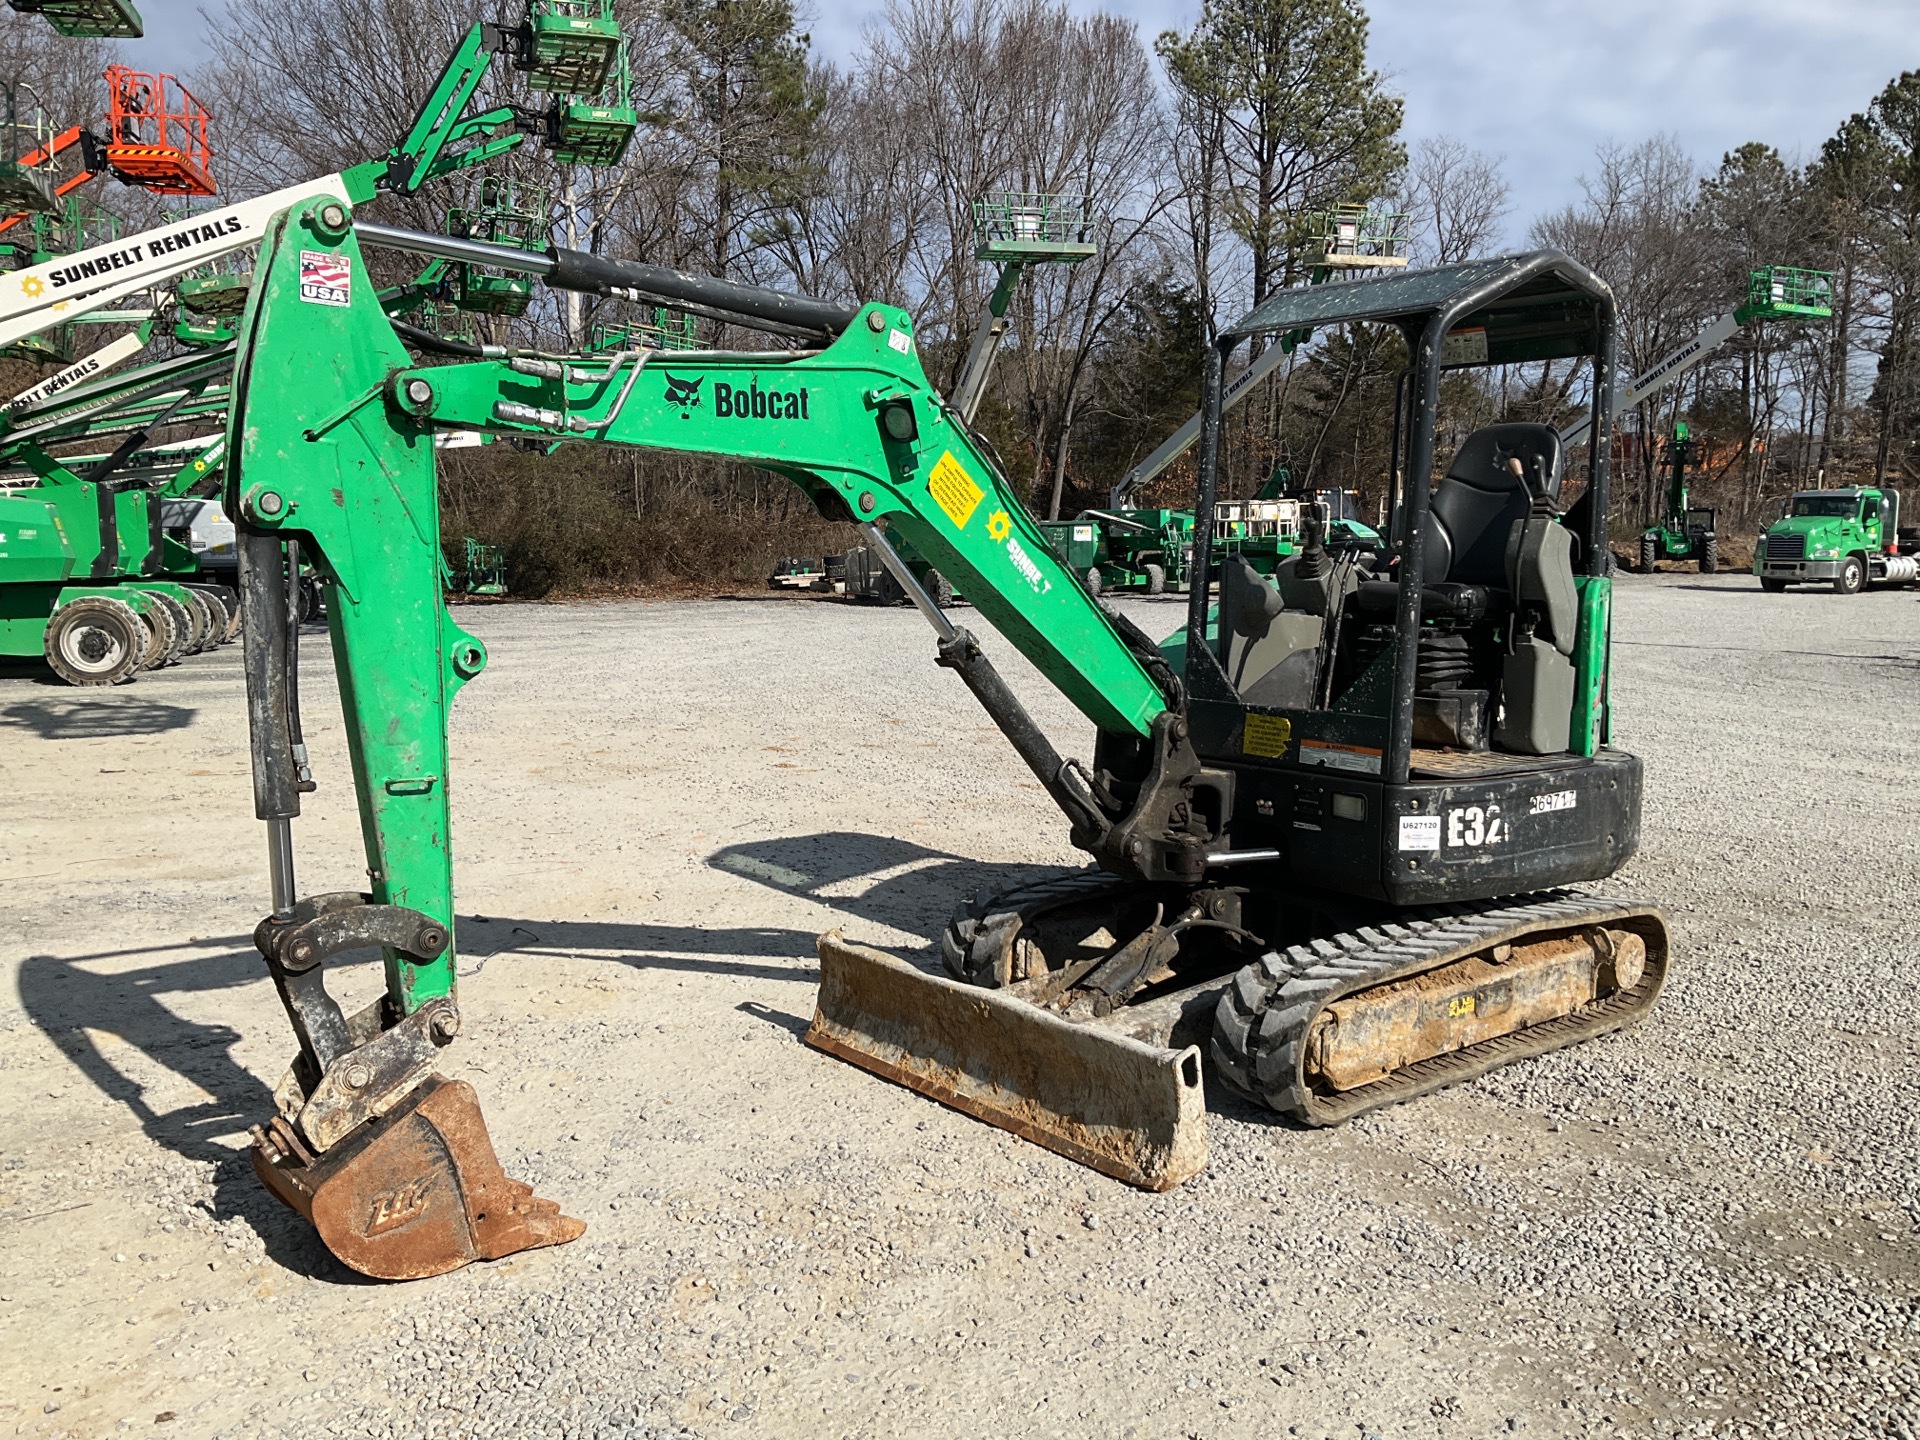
pixel 1473 826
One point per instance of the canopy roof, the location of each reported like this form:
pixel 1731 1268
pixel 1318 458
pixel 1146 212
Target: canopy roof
pixel 1541 305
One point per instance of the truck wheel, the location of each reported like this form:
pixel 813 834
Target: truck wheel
pixel 1649 554
pixel 1852 577
pixel 1772 587
pixel 1156 579
pixel 1093 581
pixel 95 640
pixel 1710 555
pixel 939 589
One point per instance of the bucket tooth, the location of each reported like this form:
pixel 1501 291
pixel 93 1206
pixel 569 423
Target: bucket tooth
pixel 1130 1109
pixel 415 1193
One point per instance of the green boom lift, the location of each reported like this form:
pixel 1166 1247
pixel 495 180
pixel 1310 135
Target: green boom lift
pixel 1012 230
pixel 1686 531
pixel 71 538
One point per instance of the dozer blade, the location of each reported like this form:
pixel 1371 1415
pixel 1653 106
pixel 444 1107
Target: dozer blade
pixel 415 1193
pixel 1128 1109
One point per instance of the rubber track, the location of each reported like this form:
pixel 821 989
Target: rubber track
pixel 1265 1016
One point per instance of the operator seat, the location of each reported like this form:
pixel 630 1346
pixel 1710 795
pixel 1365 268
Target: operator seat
pixel 1474 508
pixel 1490 527
pixel 1492 547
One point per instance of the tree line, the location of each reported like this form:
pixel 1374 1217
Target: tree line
pixel 1204 153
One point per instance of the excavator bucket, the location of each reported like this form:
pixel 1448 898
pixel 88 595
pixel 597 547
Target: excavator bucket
pixel 417 1192
pixel 1128 1108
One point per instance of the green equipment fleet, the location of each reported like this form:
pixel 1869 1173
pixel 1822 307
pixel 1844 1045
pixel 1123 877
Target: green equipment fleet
pixel 1848 539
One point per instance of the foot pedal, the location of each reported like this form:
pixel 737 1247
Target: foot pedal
pixel 417 1192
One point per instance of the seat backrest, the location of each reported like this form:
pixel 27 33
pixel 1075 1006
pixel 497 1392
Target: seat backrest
pixel 1474 508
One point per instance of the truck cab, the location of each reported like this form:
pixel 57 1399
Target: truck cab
pixel 1847 538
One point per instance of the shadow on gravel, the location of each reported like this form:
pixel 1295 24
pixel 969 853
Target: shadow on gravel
pixel 100 715
pixel 876 878
pixel 74 1006
pixel 650 947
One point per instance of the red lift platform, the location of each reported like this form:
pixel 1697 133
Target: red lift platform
pixel 157 134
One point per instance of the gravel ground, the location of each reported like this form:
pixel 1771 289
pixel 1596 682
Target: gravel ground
pixel 1705 1227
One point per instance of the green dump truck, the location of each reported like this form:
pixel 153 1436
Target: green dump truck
pixel 1848 539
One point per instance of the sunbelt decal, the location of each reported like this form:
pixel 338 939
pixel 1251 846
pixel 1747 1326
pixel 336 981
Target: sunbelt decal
pixel 186 238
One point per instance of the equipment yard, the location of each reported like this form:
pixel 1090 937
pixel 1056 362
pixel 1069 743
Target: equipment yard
pixel 1705 1225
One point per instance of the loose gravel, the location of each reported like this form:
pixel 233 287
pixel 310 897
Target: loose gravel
pixel 1706 1227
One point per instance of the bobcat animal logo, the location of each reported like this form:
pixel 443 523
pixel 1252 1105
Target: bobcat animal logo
pixel 684 393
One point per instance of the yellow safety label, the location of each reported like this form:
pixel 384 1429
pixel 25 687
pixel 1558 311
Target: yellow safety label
pixel 1266 735
pixel 954 491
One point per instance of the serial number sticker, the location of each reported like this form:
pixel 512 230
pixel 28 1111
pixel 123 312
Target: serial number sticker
pixel 1558 800
pixel 325 279
pixel 1267 736
pixel 1360 759
pixel 954 491
pixel 1460 1005
pixel 1420 832
pixel 901 341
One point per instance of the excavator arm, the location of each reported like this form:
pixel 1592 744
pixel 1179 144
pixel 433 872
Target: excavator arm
pixel 331 461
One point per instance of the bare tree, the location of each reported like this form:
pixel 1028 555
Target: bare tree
pixel 1456 198
pixel 1638 227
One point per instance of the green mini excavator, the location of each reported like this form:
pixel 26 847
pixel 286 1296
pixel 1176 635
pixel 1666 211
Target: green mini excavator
pixel 1329 821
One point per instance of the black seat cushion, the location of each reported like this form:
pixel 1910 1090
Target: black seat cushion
pixel 1474 507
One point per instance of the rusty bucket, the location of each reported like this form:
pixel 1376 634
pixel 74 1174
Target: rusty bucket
pixel 417 1192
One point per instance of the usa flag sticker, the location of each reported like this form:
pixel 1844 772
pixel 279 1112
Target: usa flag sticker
pixel 326 279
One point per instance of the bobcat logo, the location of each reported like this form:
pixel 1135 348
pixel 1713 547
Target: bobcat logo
pixel 684 393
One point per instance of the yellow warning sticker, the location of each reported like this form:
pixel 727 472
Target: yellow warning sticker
pixel 954 491
pixel 1266 735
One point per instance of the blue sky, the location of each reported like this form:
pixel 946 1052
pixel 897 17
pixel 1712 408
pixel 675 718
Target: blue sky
pixel 1541 82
